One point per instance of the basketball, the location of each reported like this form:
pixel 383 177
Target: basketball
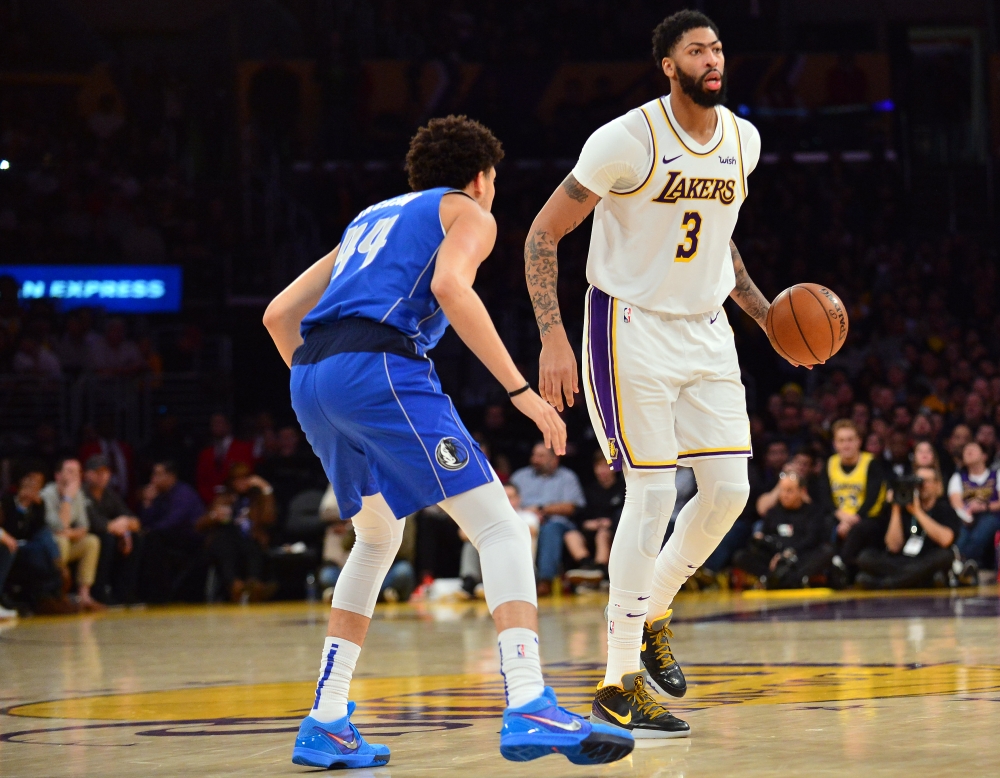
pixel 807 324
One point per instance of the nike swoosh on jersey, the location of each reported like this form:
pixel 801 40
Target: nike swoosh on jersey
pixel 668 161
pixel 621 719
pixel 570 726
pixel 353 745
pixel 714 318
pixel 640 599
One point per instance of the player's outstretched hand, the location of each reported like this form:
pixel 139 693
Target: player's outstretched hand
pixel 552 427
pixel 557 372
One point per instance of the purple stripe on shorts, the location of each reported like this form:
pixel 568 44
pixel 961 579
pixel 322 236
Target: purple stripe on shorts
pixel 602 369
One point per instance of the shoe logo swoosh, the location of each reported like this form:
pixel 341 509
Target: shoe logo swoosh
pixel 352 745
pixel 668 161
pixel 640 599
pixel 570 726
pixel 643 645
pixel 625 720
pixel 634 615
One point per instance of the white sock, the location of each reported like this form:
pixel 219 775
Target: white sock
pixel 626 614
pixel 520 666
pixel 335 671
pixel 669 575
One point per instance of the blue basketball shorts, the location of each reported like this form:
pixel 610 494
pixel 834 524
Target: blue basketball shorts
pixel 380 423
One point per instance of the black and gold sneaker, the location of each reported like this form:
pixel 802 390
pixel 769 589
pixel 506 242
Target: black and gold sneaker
pixel 665 675
pixel 631 707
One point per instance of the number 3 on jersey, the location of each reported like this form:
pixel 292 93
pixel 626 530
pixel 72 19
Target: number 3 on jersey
pixel 692 225
pixel 370 246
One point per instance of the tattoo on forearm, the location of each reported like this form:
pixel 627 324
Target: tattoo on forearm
pixel 541 272
pixel 746 293
pixel 575 189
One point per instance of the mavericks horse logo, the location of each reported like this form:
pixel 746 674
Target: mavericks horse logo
pixel 451 454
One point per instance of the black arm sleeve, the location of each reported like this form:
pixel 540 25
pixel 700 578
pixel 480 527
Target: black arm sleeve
pixel 824 492
pixel 873 488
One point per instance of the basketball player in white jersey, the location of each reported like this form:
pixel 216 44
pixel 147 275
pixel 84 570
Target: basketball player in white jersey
pixel 660 373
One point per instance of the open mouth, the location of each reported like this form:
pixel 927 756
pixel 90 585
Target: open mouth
pixel 713 81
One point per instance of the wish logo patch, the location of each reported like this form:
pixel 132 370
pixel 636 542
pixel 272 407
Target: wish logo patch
pixel 451 454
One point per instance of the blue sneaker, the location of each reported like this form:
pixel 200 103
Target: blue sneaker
pixel 541 727
pixel 337 744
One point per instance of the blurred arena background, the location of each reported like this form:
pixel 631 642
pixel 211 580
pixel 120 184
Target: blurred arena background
pixel 167 167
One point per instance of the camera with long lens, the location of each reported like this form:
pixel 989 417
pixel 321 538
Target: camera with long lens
pixel 904 489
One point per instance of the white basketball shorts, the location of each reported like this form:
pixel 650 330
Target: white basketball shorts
pixel 661 389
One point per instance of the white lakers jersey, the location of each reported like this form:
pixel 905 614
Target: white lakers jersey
pixel 662 242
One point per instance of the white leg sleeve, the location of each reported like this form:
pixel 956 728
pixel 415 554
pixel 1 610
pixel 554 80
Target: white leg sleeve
pixel 502 539
pixel 379 534
pixel 723 490
pixel 649 501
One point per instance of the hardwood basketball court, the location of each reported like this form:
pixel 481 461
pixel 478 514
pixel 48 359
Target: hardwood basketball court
pixel 814 684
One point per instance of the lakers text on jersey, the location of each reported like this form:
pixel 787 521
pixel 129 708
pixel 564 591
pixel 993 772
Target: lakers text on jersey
pixel 664 246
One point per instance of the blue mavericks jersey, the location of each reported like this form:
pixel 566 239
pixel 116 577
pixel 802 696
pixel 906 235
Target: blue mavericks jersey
pixel 384 268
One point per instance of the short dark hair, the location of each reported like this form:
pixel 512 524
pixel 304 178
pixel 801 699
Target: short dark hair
pixel 63 459
pixel 669 31
pixel 21 469
pixel 167 464
pixel 451 152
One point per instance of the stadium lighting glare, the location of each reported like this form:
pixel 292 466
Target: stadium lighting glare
pixel 4 164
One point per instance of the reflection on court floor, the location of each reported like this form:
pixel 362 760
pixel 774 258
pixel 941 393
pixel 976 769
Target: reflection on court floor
pixel 823 676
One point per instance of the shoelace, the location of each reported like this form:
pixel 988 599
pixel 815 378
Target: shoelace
pixel 664 654
pixel 643 702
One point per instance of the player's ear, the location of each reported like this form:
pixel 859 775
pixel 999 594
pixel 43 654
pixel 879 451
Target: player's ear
pixel 480 184
pixel 667 65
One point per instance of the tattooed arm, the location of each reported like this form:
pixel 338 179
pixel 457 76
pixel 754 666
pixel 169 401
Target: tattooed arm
pixel 568 206
pixel 746 294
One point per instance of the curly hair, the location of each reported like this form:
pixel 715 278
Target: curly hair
pixel 451 152
pixel 669 31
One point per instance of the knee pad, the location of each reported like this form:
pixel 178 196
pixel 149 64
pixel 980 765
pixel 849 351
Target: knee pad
pixel 502 539
pixel 381 534
pixel 502 531
pixel 728 501
pixel 657 506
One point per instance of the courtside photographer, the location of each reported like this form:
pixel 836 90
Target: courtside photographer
pixel 919 542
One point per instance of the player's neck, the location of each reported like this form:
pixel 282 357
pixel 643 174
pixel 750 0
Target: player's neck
pixel 698 122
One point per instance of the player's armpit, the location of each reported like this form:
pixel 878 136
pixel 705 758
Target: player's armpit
pixel 746 294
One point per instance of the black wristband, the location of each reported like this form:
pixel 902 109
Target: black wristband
pixel 516 392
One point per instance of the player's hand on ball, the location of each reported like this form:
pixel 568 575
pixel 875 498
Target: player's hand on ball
pixel 792 362
pixel 552 427
pixel 558 376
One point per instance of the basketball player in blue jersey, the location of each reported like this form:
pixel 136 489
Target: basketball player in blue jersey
pixel 355 329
